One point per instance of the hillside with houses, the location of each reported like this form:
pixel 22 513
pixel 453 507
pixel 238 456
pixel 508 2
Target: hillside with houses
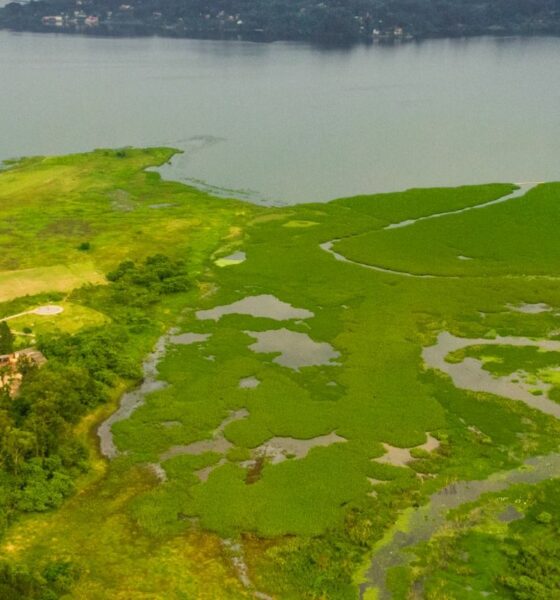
pixel 327 21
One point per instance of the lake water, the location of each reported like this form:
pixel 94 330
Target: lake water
pixel 290 122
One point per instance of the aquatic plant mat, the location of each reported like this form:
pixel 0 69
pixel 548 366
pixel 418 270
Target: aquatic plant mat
pixel 301 402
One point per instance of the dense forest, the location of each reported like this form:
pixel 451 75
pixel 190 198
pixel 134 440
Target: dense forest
pixel 41 455
pixel 268 20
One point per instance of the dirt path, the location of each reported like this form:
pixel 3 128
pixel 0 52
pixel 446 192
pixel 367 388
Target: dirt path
pixel 44 311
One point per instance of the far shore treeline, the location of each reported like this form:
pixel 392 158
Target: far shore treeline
pixel 330 21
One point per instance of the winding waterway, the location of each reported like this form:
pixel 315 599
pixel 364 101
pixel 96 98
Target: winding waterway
pixel 131 400
pixel 419 524
pixel 328 246
pixel 290 122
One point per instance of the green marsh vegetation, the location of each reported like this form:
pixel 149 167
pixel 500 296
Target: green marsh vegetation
pixel 513 238
pixel 504 545
pixel 307 521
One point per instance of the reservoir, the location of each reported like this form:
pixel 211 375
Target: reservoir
pixel 285 122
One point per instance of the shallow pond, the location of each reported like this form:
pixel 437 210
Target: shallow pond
pixel 530 309
pixel 249 383
pixel 469 374
pixel 264 305
pixel 233 259
pixel 278 449
pixel 295 349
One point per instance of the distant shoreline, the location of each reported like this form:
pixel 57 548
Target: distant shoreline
pixel 262 38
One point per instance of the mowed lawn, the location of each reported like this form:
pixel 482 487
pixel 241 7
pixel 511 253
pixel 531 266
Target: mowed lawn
pixel 58 278
pixel 72 319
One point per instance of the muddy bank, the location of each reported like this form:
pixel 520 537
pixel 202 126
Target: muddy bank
pixel 401 457
pixel 130 401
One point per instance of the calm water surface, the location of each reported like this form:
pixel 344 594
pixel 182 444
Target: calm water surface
pixel 289 122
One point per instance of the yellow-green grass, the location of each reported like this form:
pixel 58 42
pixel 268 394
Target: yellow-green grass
pixel 62 211
pixel 72 318
pixel 378 322
pixel 298 224
pixel 94 531
pixel 57 278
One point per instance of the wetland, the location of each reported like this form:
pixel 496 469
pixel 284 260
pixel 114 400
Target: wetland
pixel 292 422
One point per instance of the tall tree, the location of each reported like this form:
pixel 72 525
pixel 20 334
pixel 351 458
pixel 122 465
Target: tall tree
pixel 6 339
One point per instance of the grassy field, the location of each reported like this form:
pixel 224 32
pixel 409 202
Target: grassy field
pixel 306 522
pixel 72 319
pixel 58 278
